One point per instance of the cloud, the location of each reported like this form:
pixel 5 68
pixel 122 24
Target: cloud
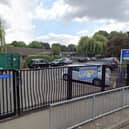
pixel 19 15
pixel 66 39
pixel 99 9
pixel 80 10
pixel 57 11
pixel 59 38
pixel 18 19
pixel 113 26
pixel 83 33
pixel 4 2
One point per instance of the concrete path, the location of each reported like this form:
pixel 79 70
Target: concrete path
pixel 117 120
pixel 35 120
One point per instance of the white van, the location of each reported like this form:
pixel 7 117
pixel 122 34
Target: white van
pixel 96 80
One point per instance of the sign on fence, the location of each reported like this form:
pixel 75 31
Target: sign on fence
pixel 124 55
pixel 88 73
pixel 4 76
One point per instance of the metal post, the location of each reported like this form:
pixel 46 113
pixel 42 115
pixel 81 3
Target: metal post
pixel 69 83
pixel 103 78
pixel 50 118
pixel 122 97
pixel 127 78
pixel 17 77
pixel 93 107
pixel 14 92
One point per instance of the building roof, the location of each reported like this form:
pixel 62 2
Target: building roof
pixel 27 51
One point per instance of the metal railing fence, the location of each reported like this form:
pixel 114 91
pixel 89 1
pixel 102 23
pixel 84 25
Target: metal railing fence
pixel 7 93
pixel 38 88
pixel 72 113
pixel 31 89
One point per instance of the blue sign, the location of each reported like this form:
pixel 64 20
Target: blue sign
pixel 88 73
pixel 5 76
pixel 125 54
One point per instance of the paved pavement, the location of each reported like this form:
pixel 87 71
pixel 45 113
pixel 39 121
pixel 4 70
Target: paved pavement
pixel 117 120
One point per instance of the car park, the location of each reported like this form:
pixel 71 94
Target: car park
pixel 83 59
pixel 38 63
pixel 111 62
pixel 97 81
pixel 61 62
pixel 67 60
pixel 57 62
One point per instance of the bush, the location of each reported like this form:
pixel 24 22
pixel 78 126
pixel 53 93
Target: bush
pixel 30 57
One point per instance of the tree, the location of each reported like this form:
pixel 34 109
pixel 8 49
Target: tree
pixel 63 48
pixel 115 34
pixel 56 49
pixel 103 33
pixel 91 46
pixel 45 45
pixel 18 44
pixel 101 43
pixel 35 44
pixel 2 37
pixel 82 46
pixel 71 47
pixel 117 43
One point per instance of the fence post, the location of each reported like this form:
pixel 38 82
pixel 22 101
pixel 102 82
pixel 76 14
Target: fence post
pixel 93 107
pixel 127 78
pixel 69 83
pixel 103 78
pixel 14 92
pixel 17 77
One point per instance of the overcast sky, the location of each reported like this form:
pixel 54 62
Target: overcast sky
pixel 63 21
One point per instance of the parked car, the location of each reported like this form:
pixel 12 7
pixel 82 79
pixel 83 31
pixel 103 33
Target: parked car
pixel 67 60
pixel 95 81
pixel 83 59
pixel 38 63
pixel 57 62
pixel 61 61
pixel 93 59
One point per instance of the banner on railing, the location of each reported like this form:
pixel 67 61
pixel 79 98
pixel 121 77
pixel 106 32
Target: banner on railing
pixel 5 76
pixel 88 73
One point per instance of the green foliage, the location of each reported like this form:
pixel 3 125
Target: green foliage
pixel 71 47
pixel 46 45
pixel 18 44
pixel 35 44
pixel 63 48
pixel 116 34
pixel 56 49
pixel 101 42
pixel 30 57
pixel 116 43
pixel 92 46
pixel 103 33
pixel 82 46
pixel 2 37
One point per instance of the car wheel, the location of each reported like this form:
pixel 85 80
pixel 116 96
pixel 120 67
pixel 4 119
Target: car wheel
pixel 97 82
pixel 65 76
